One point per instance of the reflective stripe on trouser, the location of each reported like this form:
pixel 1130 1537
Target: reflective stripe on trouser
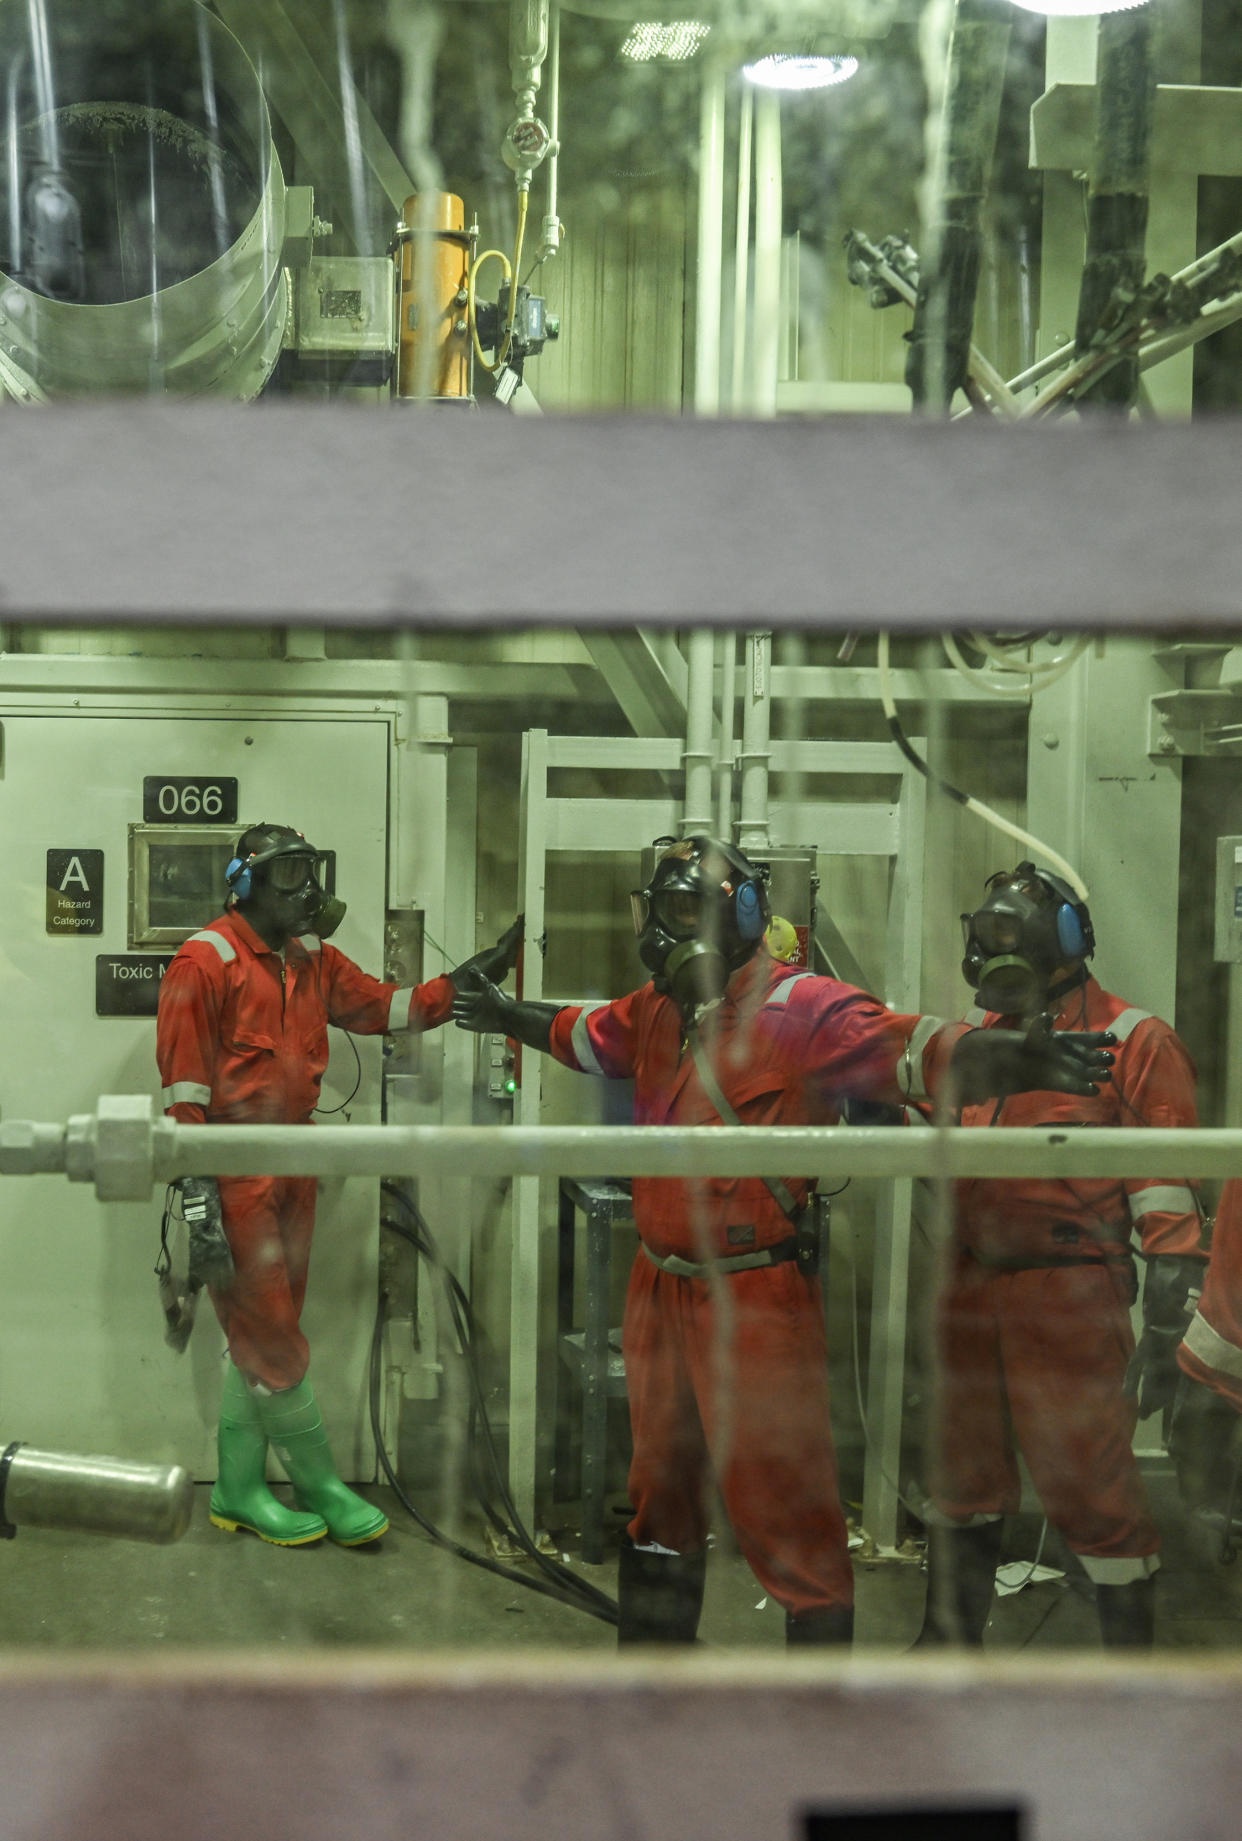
pixel 751 1412
pixel 1038 1358
pixel 269 1221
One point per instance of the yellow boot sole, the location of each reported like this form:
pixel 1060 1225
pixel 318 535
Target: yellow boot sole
pixel 273 1540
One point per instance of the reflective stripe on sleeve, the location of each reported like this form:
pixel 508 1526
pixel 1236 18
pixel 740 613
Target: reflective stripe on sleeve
pixel 1124 1025
pixel 1212 1349
pixel 399 1008
pixel 225 948
pixel 186 1093
pixel 910 1067
pixel 1123 1570
pixel 781 993
pixel 580 1041
pixel 1165 1199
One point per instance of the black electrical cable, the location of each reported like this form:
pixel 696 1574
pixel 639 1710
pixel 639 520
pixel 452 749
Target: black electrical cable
pixel 326 1112
pixel 464 1325
pixel 565 1585
pixel 429 1528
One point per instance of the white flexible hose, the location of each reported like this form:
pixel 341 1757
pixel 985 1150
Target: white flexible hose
pixel 977 806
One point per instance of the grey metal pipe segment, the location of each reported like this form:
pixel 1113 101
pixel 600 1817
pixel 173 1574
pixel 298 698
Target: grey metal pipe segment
pixel 690 1151
pixel 97 1495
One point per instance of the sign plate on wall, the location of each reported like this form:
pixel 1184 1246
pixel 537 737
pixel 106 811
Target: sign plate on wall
pixel 172 799
pixel 128 983
pixel 75 891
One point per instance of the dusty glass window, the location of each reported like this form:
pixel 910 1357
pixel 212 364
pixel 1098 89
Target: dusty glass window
pixel 850 887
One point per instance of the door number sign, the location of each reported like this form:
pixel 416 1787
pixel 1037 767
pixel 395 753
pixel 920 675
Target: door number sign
pixel 75 884
pixel 178 799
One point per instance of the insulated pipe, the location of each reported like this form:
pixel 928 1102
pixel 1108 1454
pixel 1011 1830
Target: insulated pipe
pixel 756 743
pixel 95 1495
pixel 165 1150
pixel 766 324
pixel 698 757
pixel 944 313
pixel 551 239
pixel 724 749
pixel 741 257
pixel 710 239
pixel 1125 101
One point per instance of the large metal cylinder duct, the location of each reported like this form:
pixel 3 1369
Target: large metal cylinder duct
pixel 142 215
pixel 96 1495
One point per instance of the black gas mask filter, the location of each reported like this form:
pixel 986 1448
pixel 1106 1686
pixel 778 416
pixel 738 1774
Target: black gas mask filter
pixel 1030 923
pixel 700 917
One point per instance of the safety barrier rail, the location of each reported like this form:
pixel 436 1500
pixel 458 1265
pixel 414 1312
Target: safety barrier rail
pixel 126 1149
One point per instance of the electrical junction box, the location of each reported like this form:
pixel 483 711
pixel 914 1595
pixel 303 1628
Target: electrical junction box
pixel 345 316
pixel 1228 944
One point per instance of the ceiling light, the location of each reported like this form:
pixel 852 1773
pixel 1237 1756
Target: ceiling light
pixel 1077 9
pixel 795 70
pixel 676 41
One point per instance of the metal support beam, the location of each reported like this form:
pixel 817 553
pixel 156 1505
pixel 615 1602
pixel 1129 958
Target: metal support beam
pixel 652 701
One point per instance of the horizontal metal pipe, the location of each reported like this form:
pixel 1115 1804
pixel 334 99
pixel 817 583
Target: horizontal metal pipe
pixel 97 1495
pixel 687 1151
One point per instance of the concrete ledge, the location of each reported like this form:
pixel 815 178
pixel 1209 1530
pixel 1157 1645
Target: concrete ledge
pixel 320 1746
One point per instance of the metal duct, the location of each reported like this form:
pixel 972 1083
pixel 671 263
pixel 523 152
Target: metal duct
pixel 142 219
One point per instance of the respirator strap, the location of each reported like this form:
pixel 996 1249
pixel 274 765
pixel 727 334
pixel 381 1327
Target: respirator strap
pixel 780 1192
pixel 7 1530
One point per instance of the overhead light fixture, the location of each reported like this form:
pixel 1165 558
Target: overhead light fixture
pixel 1077 9
pixel 674 42
pixel 798 70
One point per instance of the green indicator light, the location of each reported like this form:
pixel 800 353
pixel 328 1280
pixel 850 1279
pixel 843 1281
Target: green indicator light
pixel 511 1086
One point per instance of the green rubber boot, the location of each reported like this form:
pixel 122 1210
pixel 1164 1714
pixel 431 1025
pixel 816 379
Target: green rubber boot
pixel 293 1424
pixel 240 1497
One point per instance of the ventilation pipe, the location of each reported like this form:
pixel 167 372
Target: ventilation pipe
pixel 724 745
pixel 766 328
pixel 699 755
pixel 945 309
pixel 1113 271
pixel 756 751
pixel 741 271
pixel 710 240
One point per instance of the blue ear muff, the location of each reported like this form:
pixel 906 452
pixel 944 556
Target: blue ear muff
pixel 1071 939
pixel 748 911
pixel 238 878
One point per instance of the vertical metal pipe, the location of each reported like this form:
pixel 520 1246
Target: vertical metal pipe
pixel 699 754
pixel 1113 270
pixel 724 747
pixel 766 328
pixel 756 751
pixel 710 240
pixel 945 308
pixel 741 256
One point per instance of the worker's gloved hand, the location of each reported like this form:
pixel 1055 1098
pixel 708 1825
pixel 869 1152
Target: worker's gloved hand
pixel 480 1007
pixel 991 1063
pixel 1174 1282
pixel 494 962
pixel 211 1262
pixel 1202 1440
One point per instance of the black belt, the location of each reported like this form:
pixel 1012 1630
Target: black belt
pixel 1038 1265
pixel 777 1255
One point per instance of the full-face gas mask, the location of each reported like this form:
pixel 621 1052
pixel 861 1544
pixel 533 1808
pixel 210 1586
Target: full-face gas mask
pixel 293 872
pixel 1030 924
pixel 700 917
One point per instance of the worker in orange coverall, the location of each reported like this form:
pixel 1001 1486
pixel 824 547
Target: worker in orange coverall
pixel 1204 1440
pixel 724 1286
pixel 1035 1348
pixel 242 1036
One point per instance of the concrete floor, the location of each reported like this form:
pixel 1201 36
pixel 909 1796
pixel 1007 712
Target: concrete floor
pixel 73 1591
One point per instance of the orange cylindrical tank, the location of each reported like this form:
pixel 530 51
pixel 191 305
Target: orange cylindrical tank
pixel 433 253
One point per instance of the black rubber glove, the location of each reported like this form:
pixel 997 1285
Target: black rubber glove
pixel 211 1262
pixel 1203 1442
pixel 494 962
pixel 991 1063
pixel 1174 1282
pixel 486 1011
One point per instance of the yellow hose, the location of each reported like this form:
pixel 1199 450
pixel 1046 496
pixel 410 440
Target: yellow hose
pixel 511 275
